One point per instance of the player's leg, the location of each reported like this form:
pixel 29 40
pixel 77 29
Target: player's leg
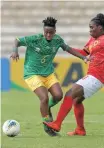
pixel 42 94
pixel 37 86
pixel 84 88
pixel 54 88
pixel 57 95
pixel 79 116
pixel 90 86
pixel 75 92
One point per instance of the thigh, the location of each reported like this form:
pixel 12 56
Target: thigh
pixel 76 91
pixel 56 91
pixel 42 93
pixel 34 82
pixel 90 85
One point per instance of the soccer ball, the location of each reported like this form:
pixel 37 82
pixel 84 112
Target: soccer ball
pixel 11 128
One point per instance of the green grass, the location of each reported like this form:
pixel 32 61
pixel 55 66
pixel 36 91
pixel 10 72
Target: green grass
pixel 24 107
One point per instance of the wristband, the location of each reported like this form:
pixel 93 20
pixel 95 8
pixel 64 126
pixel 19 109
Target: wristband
pixel 15 49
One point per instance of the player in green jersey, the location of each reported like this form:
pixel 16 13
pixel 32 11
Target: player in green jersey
pixel 38 67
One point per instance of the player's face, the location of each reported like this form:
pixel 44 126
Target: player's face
pixel 49 32
pixel 95 30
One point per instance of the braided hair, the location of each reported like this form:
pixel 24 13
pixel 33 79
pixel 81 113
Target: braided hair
pixel 50 21
pixel 99 19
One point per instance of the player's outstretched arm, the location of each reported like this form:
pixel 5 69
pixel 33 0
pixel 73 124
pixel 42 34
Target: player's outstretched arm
pixel 74 52
pixel 14 54
pixel 77 54
pixel 83 51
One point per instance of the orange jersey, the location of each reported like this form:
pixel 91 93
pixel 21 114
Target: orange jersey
pixel 95 48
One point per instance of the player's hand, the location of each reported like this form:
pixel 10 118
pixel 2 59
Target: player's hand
pixel 15 56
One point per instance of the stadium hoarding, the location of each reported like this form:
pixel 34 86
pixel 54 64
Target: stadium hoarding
pixel 68 71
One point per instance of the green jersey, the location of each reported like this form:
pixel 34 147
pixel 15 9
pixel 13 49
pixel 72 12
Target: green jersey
pixel 40 54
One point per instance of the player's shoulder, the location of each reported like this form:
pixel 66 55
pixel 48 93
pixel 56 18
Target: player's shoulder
pixel 37 36
pixel 57 37
pixel 91 39
pixel 101 39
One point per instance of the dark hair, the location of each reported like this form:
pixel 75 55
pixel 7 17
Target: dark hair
pixel 99 19
pixel 50 21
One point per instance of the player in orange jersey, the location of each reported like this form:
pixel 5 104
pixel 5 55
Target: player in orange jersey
pixel 88 85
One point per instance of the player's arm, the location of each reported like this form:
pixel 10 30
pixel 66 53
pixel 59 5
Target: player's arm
pixel 74 52
pixel 84 51
pixel 17 43
pixel 14 54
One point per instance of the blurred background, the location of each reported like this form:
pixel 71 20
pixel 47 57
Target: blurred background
pixel 22 18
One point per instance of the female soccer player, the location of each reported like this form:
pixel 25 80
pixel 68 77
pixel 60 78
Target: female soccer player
pixel 90 84
pixel 38 68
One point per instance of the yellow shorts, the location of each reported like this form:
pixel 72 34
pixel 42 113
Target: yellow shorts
pixel 36 81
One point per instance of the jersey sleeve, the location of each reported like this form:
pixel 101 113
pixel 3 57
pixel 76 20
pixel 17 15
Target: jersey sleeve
pixel 85 51
pixel 64 45
pixel 102 43
pixel 24 41
pixel 86 47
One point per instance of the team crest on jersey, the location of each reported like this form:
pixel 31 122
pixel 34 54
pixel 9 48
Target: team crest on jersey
pixel 96 43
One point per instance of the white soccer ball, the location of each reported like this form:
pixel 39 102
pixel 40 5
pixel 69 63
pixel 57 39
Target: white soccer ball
pixel 11 128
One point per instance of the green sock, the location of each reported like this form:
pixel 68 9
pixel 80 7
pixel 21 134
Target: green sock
pixel 52 102
pixel 46 119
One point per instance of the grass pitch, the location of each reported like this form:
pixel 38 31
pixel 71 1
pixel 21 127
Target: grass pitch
pixel 24 107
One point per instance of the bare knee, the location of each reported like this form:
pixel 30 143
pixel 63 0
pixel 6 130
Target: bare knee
pixel 58 96
pixel 44 100
pixel 75 92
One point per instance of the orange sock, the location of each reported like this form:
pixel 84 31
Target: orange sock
pixel 64 110
pixel 79 115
